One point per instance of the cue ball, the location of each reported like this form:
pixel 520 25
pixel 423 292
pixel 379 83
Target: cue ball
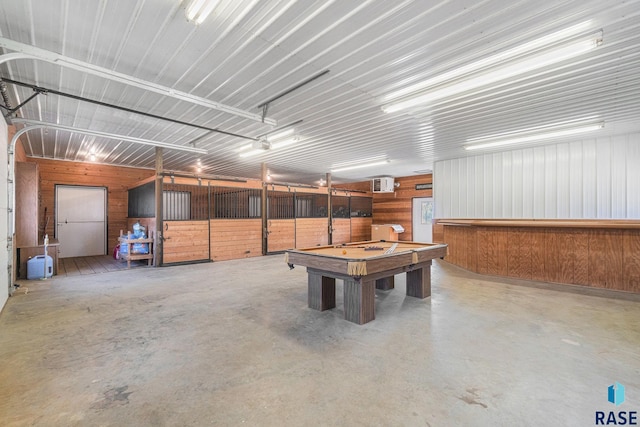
pixel 344 252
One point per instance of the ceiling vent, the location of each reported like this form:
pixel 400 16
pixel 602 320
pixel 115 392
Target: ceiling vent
pixel 383 185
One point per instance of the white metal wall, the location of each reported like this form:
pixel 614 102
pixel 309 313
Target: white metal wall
pixel 4 202
pixel 592 178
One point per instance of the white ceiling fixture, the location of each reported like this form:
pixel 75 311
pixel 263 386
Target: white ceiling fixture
pixel 522 59
pixel 198 10
pixel 551 131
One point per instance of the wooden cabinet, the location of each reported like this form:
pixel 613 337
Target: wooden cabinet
pixel 26 190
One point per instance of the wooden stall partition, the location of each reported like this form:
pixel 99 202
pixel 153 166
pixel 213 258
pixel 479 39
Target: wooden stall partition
pixel 186 241
pixel 235 238
pixel 281 234
pixel 311 232
pixel 341 230
pixel 361 229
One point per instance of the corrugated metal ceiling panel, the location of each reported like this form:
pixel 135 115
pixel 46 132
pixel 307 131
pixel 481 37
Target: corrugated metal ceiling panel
pixel 249 51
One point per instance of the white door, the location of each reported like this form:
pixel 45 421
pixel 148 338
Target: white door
pixel 422 219
pixel 81 225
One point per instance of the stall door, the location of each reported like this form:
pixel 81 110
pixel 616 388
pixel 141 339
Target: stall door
pixel 81 220
pixel 422 219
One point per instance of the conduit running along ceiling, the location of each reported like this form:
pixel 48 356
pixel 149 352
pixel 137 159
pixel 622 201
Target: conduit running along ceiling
pixel 248 52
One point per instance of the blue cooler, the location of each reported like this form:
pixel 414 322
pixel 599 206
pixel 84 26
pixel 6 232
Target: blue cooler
pixel 35 267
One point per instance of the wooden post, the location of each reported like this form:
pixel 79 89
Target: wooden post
pixel 329 214
pixel 159 238
pixel 263 210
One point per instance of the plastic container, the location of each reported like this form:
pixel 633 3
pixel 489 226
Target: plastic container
pixel 36 267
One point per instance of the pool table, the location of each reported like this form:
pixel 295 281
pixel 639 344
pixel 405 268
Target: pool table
pixel 364 267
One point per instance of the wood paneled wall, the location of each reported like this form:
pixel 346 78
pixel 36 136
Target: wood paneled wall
pixel 596 257
pixel 116 179
pixel 341 232
pixel 185 241
pixel 361 229
pixel 235 238
pixel 396 207
pixel 312 232
pixel 282 234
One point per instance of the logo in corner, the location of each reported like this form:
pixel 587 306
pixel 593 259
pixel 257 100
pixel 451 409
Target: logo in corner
pixel 616 394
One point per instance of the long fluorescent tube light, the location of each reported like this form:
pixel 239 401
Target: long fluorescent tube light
pixel 536 137
pixel 361 166
pixel 522 66
pixel 280 134
pixel 493 59
pixel 198 10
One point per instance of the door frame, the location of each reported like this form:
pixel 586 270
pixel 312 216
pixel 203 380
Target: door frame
pixel 414 219
pixel 106 209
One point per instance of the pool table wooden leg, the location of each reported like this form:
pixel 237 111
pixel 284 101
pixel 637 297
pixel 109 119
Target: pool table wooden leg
pixel 386 283
pixel 359 301
pixel 419 282
pixel 322 292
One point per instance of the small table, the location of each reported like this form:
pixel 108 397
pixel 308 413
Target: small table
pixel 364 266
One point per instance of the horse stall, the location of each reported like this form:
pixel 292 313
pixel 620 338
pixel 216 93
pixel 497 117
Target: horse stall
pixel 361 211
pixel 281 222
pixel 236 223
pixel 340 220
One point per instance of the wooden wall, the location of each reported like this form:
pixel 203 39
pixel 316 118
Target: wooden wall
pixel 185 241
pixel 281 234
pixel 595 257
pixel 116 179
pixel 312 232
pixel 341 231
pixel 396 207
pixel 235 238
pixel 26 191
pixel 361 229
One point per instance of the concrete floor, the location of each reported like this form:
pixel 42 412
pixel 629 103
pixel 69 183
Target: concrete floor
pixel 233 343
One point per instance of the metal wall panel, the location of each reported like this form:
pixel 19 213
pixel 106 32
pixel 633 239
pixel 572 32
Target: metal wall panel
pixel 583 179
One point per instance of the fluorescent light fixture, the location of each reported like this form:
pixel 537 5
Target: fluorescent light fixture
pixel 198 10
pixel 517 67
pixel 361 166
pixel 527 136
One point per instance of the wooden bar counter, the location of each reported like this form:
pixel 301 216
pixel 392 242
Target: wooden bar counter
pixel 595 253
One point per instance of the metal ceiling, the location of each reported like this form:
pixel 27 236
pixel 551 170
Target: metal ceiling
pixel 248 52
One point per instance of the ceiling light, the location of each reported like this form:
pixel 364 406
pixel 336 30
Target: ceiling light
pixel 516 67
pixel 361 166
pixel 284 143
pixel 92 157
pixel 527 136
pixel 198 10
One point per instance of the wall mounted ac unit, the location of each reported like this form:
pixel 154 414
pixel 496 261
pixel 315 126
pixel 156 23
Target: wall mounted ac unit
pixel 383 185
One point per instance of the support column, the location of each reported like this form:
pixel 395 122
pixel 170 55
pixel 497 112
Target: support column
pixel 263 209
pixel 329 214
pixel 386 284
pixel 158 238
